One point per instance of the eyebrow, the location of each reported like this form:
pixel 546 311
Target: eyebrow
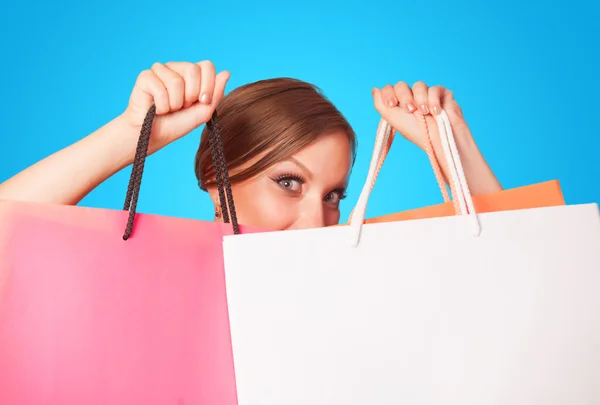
pixel 302 166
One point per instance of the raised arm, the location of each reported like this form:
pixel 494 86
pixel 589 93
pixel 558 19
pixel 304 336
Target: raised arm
pixel 185 95
pixel 397 105
pixel 68 175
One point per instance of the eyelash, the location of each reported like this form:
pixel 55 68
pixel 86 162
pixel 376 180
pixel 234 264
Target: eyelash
pixel 290 176
pixel 341 193
pixel 294 177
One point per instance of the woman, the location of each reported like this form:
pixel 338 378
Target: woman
pixel 289 151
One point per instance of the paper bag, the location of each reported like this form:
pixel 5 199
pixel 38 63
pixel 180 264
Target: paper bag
pixel 474 308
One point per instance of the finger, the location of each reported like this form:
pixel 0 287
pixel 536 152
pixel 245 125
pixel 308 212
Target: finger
pixel 220 83
pixel 378 100
pixel 155 92
pixel 191 74
pixel 207 86
pixel 388 96
pixel 405 96
pixel 200 113
pixel 455 114
pixel 173 82
pixel 450 104
pixel 419 90
pixel 435 97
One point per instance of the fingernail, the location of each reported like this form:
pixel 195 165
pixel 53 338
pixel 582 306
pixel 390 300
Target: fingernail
pixel 436 110
pixel 205 98
pixel 425 109
pixel 391 102
pixel 411 107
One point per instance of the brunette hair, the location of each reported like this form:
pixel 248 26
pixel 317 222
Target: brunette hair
pixel 266 122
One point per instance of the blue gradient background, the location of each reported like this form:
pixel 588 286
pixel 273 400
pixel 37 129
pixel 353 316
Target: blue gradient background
pixel 525 74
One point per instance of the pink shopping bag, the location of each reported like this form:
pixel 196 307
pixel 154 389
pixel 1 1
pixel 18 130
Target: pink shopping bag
pixel 87 318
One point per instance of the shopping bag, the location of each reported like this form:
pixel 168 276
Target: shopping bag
pixel 474 308
pixel 545 194
pixel 89 318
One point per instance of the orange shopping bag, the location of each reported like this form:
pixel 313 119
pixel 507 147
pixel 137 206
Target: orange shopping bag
pixel 545 194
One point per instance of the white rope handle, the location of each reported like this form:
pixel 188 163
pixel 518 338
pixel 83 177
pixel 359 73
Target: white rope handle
pixel 358 215
pixel 446 140
pixel 463 194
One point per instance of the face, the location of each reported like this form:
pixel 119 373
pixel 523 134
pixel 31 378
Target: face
pixel 302 192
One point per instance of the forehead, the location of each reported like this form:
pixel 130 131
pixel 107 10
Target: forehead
pixel 329 154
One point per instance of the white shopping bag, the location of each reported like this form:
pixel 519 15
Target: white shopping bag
pixel 476 309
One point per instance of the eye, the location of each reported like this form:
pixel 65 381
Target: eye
pixel 291 183
pixel 334 197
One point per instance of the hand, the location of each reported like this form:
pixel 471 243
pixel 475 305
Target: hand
pixel 185 94
pixel 398 105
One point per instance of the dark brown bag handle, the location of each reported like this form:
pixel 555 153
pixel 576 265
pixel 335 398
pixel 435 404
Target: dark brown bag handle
pixel 221 172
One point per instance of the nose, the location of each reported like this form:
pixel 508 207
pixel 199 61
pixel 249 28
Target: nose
pixel 311 215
